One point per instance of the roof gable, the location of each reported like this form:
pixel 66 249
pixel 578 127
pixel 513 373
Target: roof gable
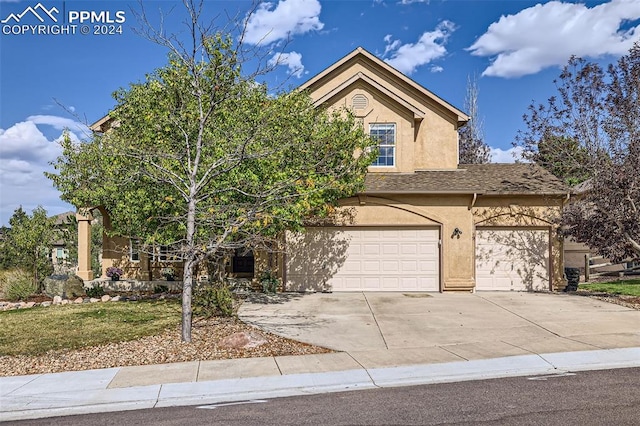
pixel 402 89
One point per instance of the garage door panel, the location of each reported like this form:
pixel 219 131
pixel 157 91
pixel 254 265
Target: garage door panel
pixel 410 266
pixel 392 267
pixel 428 249
pixel 512 259
pixel 383 259
pixel 370 249
pixel 390 249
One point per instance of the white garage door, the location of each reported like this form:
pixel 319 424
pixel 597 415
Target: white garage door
pixel 363 259
pixel 512 259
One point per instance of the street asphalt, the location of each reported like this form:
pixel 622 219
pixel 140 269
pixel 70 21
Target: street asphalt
pixel 380 339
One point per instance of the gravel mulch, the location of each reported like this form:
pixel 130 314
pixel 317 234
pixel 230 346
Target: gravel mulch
pixel 167 347
pixel 164 348
pixel 632 302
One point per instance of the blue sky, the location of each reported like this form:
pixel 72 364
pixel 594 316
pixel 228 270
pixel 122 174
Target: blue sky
pixel 515 48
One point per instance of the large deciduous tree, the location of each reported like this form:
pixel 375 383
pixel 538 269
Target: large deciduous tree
pixel 591 133
pixel 203 159
pixel 472 147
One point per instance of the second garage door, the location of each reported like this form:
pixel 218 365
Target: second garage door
pixel 363 259
pixel 512 259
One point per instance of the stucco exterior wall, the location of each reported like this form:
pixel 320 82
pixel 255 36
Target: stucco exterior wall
pixel 449 212
pixel 445 212
pixel 422 143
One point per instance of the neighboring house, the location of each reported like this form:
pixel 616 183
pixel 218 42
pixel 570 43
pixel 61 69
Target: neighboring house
pixel 423 222
pixel 59 252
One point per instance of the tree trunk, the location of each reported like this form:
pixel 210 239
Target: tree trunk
pixel 187 291
pixel 187 276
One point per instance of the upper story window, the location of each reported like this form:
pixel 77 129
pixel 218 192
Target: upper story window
pixel 385 135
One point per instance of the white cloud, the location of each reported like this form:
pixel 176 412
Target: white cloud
pixel 436 68
pixel 26 153
pixel 506 156
pixel 408 57
pixel 270 23
pixel 25 141
pixel 391 44
pixel 292 60
pixel 60 123
pixel 413 1
pixel 548 34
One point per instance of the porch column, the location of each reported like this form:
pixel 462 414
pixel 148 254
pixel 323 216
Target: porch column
pixel 84 219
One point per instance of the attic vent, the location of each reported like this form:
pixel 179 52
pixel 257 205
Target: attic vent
pixel 359 102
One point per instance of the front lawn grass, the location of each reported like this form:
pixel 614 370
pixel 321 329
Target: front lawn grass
pixel 627 287
pixel 37 330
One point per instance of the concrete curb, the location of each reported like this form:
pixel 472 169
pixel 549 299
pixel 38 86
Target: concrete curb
pixel 95 398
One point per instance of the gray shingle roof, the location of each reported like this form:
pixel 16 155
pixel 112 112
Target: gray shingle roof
pixel 520 178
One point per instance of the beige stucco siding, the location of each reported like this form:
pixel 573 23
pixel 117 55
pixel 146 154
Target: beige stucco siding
pixel 458 252
pixel 447 212
pixel 427 140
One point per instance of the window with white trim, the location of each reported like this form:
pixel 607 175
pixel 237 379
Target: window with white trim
pixel 134 250
pixel 385 135
pixel 166 254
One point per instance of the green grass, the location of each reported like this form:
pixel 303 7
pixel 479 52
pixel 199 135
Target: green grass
pixel 37 330
pixel 627 287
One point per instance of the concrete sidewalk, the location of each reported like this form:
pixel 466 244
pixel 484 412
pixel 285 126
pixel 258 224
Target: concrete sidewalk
pixel 383 340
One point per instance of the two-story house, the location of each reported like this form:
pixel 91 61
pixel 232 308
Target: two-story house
pixel 424 222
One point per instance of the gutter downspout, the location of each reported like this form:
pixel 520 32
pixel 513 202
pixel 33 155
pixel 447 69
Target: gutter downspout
pixel 473 200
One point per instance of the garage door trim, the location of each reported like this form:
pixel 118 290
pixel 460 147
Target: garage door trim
pixel 432 227
pixel 549 248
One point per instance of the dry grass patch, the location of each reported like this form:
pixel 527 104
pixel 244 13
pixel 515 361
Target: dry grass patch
pixel 38 330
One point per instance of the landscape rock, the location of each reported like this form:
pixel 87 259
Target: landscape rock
pixel 242 340
pixel 115 299
pixel 65 301
pixel 105 298
pixel 79 300
pixel 29 305
pixel 93 300
pixel 67 286
pixel 45 304
pixel 57 300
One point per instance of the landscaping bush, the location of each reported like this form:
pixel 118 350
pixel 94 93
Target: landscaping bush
pixel 96 291
pixel 17 284
pixel 160 288
pixel 269 281
pixel 212 300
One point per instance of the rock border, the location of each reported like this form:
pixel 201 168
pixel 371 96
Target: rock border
pixel 59 301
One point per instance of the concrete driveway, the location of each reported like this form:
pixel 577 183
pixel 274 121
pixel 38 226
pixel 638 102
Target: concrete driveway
pixel 392 329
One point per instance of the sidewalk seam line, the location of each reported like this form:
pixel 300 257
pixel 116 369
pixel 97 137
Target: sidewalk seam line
pixel 24 384
pixel 275 359
pixel 375 320
pixel 155 404
pixel 452 353
pixel 366 370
